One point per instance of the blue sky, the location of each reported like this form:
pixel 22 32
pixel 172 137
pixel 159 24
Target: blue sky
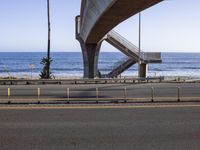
pixel 172 25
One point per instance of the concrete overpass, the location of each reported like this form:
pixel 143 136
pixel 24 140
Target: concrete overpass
pixel 97 18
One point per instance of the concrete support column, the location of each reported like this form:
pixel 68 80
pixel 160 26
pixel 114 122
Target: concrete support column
pixel 143 70
pixel 90 53
pixel 90 59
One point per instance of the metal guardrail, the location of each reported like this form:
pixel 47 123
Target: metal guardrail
pixel 79 81
pixel 97 95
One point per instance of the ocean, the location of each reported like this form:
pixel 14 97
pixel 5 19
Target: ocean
pixel 70 64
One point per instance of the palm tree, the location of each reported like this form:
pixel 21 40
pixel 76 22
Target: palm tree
pixel 46 74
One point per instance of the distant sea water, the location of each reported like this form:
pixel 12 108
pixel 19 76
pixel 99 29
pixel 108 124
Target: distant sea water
pixel 70 64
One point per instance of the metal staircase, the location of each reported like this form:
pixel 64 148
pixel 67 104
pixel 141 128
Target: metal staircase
pixel 122 44
pixel 121 66
pixel 131 51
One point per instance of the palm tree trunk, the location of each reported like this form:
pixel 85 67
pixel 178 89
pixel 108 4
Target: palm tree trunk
pixel 49 39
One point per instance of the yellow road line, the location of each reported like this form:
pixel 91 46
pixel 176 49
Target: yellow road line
pixel 99 107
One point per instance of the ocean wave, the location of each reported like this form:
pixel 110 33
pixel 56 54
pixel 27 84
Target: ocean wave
pixel 72 64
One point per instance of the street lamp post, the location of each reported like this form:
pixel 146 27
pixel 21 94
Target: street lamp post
pixel 139 46
pixel 49 39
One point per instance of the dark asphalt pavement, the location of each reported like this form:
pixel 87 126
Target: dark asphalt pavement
pixel 165 128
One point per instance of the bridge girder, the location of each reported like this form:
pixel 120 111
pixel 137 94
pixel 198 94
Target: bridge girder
pixel 98 17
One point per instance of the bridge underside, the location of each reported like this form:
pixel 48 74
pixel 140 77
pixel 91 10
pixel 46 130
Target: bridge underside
pixel 97 18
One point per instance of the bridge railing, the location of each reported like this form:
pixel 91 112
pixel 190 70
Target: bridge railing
pixel 146 56
pixel 151 56
pixel 121 39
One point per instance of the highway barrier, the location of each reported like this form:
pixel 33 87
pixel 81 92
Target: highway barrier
pixel 100 94
pixel 79 81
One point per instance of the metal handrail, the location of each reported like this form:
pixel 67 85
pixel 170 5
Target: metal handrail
pixel 120 62
pixel 130 46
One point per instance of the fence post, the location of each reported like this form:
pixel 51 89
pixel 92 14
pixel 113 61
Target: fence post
pixel 39 93
pixel 9 93
pixel 125 94
pixel 68 96
pixel 97 94
pixel 152 94
pixel 179 94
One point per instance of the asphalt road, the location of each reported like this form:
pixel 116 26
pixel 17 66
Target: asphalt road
pixel 139 128
pixel 162 91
